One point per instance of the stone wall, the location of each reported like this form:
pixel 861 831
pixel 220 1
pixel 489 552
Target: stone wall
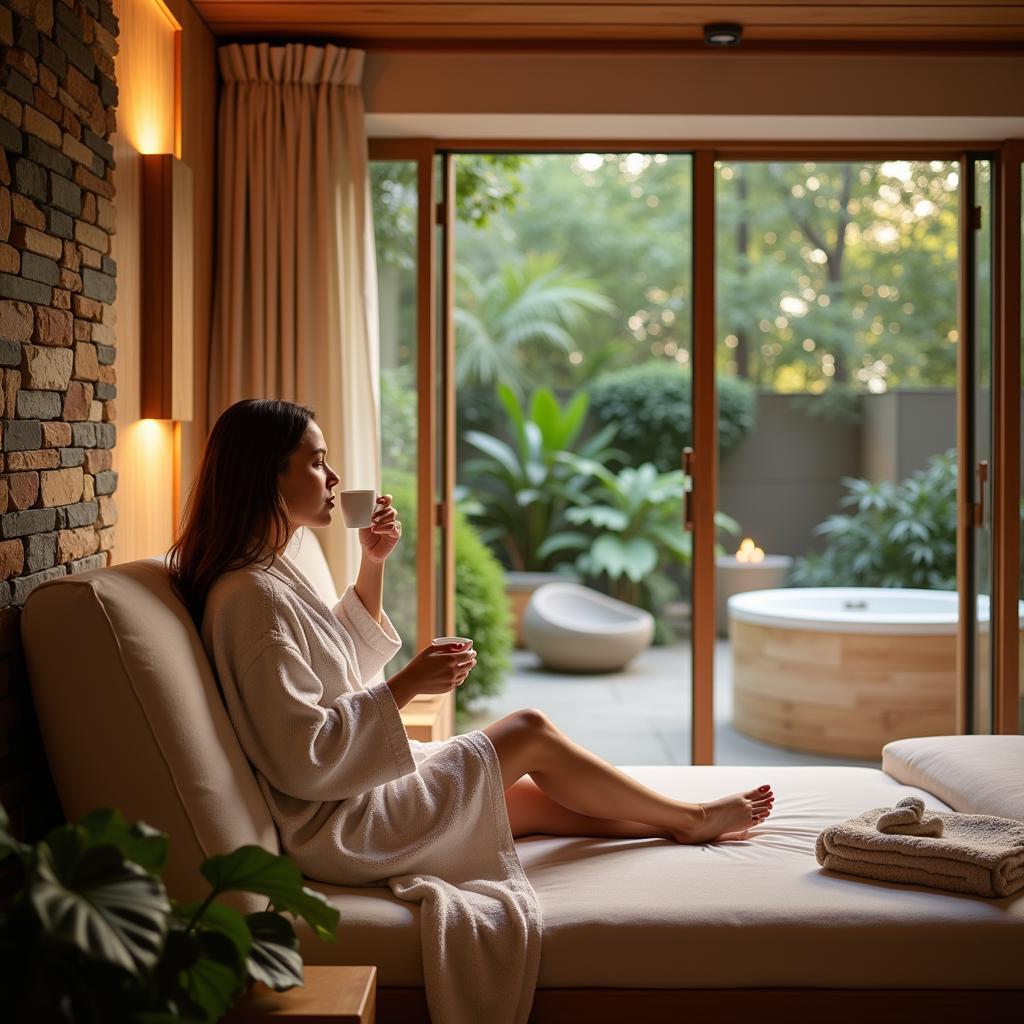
pixel 57 337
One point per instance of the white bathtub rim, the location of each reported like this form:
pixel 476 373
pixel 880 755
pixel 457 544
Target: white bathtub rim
pixel 752 606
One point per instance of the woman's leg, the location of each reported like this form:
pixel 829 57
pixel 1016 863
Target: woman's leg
pixel 532 812
pixel 527 742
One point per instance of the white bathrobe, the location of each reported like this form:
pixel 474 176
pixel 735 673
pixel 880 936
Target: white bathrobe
pixel 358 803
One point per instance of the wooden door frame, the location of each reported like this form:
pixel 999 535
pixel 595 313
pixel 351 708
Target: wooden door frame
pixel 1006 385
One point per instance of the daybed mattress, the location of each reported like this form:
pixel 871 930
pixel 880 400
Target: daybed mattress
pixel 648 913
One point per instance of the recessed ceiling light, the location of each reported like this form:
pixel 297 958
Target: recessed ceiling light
pixel 723 34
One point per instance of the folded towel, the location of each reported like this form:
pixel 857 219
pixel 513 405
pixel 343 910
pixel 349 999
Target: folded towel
pixel 978 854
pixel 908 819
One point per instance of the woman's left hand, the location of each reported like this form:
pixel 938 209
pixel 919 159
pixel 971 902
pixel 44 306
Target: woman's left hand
pixel 380 537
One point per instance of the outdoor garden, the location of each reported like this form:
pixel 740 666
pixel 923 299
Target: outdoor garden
pixel 836 285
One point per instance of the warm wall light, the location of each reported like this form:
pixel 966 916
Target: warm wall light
pixel 167 314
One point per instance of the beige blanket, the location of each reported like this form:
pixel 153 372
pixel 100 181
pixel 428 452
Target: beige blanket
pixel 978 854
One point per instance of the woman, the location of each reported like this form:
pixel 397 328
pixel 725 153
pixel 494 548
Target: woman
pixel 264 474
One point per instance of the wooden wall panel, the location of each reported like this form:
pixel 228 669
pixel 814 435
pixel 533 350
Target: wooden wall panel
pixel 150 455
pixel 764 21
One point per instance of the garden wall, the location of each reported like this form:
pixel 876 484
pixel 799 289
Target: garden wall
pixel 785 476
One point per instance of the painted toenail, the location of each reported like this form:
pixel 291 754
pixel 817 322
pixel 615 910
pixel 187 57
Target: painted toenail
pixel 764 789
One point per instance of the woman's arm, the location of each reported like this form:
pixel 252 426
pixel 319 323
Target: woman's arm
pixel 370 587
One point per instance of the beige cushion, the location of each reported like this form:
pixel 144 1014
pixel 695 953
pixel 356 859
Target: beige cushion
pixel 641 913
pixel 304 549
pixel 973 774
pixel 131 717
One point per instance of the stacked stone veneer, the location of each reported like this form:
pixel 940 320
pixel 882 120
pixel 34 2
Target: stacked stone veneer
pixel 57 278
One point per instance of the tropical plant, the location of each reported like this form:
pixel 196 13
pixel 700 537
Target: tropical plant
pixel 519 493
pixel 92 937
pixel 632 532
pixel 651 403
pixel 531 304
pixel 897 534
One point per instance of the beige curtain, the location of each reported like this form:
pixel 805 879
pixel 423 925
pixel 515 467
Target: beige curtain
pixel 295 303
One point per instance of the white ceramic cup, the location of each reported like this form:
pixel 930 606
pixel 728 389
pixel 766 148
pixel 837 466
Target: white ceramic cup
pixel 357 507
pixel 442 640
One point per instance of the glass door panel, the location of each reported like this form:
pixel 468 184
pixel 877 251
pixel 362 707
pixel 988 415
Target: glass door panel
pixel 836 352
pixel 572 319
pixel 980 264
pixel 394 185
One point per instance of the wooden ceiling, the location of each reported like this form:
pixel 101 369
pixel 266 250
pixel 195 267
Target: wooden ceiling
pixel 606 23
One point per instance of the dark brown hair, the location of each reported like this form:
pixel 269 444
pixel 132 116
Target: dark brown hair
pixel 234 507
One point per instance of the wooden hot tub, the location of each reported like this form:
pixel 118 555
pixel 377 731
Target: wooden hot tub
pixel 843 670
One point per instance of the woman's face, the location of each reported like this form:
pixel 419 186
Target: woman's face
pixel 307 482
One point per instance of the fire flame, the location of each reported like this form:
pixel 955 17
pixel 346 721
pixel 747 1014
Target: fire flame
pixel 748 551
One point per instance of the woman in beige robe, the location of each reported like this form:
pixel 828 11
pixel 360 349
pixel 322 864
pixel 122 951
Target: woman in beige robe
pixel 356 802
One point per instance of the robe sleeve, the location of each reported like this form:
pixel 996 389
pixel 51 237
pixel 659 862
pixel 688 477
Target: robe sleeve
pixel 312 750
pixel 375 643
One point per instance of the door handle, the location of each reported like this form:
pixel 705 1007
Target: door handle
pixel 981 471
pixel 688 495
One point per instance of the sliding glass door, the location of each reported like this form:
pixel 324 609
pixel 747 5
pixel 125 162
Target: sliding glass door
pixel 859 304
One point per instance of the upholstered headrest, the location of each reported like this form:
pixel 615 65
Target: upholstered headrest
pixel 131 717
pixel 973 774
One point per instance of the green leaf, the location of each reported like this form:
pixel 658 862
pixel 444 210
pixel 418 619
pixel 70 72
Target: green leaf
pixel 217 976
pixel 608 555
pixel 602 516
pixel 566 540
pixel 11 844
pixel 547 416
pixel 139 842
pixel 221 918
pixel 497 450
pixel 253 869
pixel 641 557
pixel 96 901
pixel 275 958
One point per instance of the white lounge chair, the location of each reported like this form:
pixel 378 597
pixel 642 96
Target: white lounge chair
pixel 578 629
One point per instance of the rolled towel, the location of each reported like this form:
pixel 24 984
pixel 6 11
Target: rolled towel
pixel 978 854
pixel 907 818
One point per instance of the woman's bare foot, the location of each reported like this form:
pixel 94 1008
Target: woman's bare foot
pixel 730 817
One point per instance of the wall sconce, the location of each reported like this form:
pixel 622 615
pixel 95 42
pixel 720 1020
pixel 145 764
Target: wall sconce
pixel 167 313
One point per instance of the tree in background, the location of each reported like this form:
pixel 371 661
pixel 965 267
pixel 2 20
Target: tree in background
pixel 510 324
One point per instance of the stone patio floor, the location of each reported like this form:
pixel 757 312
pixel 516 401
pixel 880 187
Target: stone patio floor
pixel 640 715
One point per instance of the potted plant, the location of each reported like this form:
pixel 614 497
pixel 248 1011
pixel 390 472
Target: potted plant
pixel 632 531
pixel 518 495
pixel 92 936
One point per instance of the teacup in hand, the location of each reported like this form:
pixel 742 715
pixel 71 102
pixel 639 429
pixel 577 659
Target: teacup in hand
pixel 357 508
pixel 440 641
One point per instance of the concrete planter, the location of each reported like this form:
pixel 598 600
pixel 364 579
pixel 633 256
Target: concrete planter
pixel 520 585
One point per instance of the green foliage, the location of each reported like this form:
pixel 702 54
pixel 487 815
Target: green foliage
pixel 92 936
pixel 398 418
pixel 651 406
pixel 481 605
pixel 518 494
pixel 631 532
pixel 515 317
pixel 401 585
pixel 829 275
pixel 897 534
pixel 484 185
pixel 482 612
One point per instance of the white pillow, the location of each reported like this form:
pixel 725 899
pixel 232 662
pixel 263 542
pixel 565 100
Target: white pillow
pixel 973 774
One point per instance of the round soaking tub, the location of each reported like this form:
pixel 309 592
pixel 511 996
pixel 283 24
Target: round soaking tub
pixel 843 670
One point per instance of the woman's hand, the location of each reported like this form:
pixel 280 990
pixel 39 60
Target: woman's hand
pixel 380 537
pixel 437 669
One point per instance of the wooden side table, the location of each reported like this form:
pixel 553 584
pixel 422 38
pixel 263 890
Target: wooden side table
pixel 331 995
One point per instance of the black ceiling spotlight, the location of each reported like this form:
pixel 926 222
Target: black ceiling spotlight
pixel 723 34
